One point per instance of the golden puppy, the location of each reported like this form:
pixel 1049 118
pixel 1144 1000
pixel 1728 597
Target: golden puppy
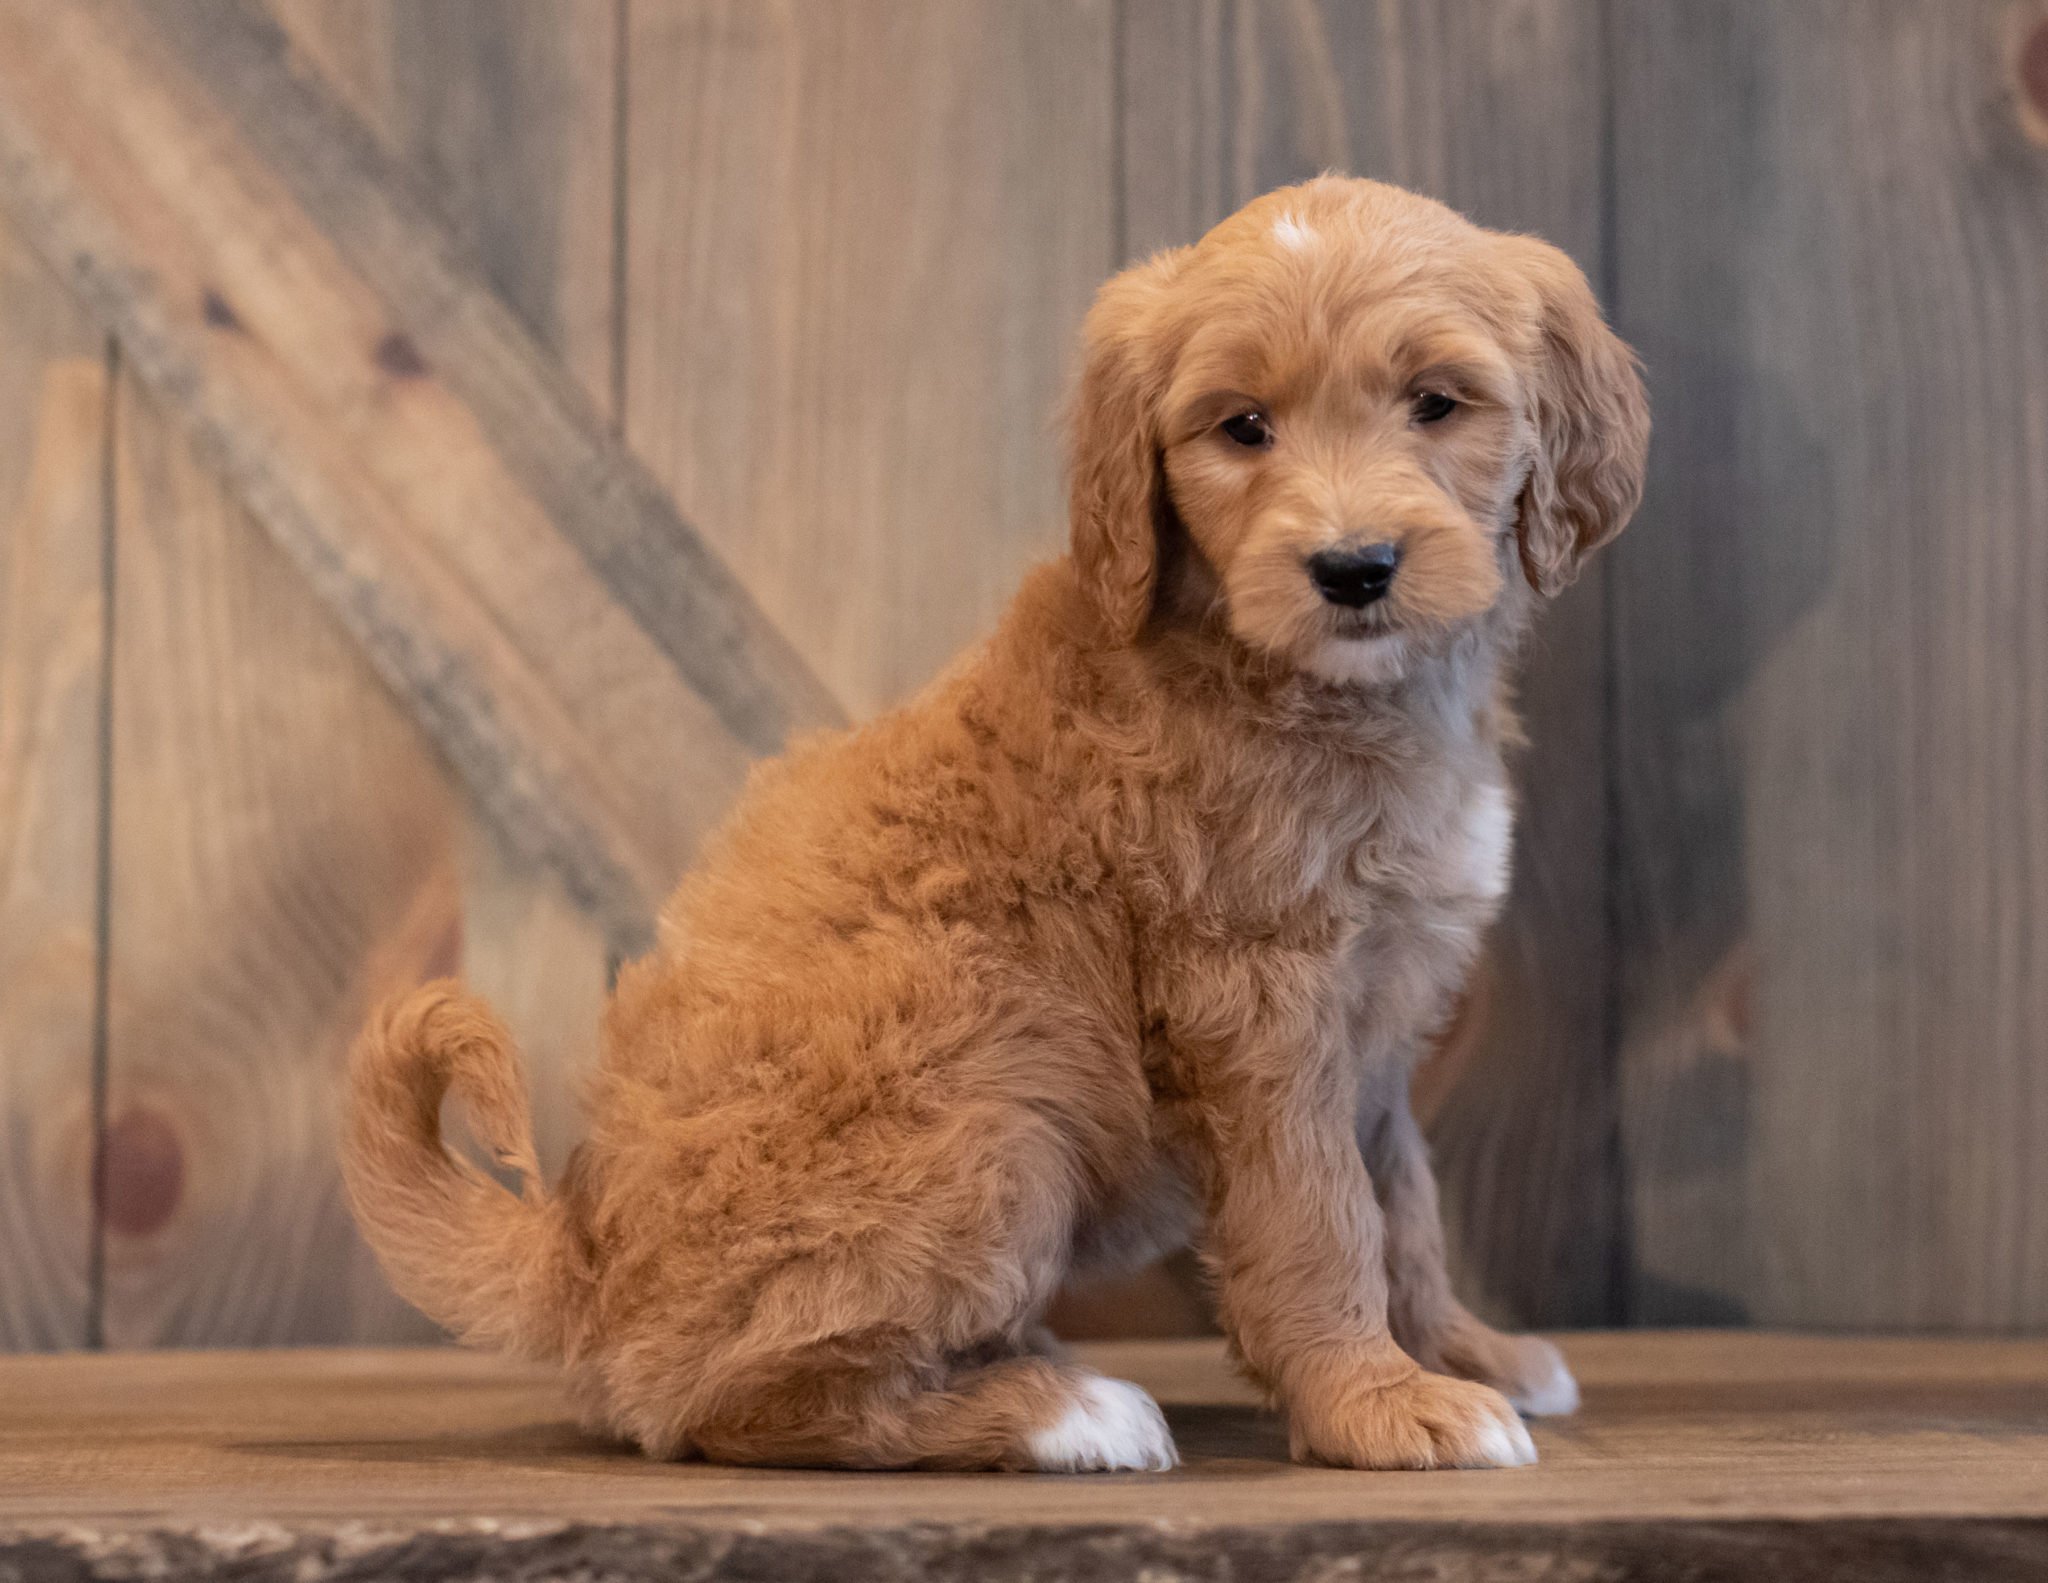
pixel 1124 932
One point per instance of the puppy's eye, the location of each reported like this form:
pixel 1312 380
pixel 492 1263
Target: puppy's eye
pixel 1249 429
pixel 1432 406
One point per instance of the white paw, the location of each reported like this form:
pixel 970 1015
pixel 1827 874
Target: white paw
pixel 1556 1396
pixel 1505 1443
pixel 1112 1426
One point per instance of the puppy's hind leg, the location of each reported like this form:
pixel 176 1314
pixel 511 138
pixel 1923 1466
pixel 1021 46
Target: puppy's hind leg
pixel 1021 1413
pixel 1089 1423
pixel 1433 1327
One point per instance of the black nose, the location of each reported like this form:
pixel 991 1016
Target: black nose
pixel 1354 578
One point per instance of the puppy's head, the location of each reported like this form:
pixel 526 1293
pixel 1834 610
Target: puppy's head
pixel 1364 419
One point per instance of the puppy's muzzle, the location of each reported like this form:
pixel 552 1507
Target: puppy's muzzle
pixel 1354 578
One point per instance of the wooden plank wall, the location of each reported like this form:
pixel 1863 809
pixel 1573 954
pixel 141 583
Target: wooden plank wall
pixel 285 844
pixel 859 237
pixel 505 114
pixel 1832 662
pixel 1755 1041
pixel 360 868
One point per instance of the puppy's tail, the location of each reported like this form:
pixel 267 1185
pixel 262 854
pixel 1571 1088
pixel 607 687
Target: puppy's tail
pixel 493 1267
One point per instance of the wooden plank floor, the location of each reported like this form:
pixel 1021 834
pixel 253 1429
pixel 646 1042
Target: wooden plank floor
pixel 1739 1455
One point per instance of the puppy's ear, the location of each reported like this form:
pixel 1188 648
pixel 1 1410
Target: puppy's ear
pixel 1592 422
pixel 1116 478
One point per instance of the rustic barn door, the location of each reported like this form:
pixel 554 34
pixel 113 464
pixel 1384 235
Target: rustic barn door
pixel 443 442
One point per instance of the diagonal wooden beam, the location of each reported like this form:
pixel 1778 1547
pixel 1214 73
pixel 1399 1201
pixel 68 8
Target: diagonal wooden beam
pixel 596 675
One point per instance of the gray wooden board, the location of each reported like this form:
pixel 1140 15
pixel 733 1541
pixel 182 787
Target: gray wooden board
pixel 1832 664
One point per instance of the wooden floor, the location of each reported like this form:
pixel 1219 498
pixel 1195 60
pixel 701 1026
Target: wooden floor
pixel 1737 1455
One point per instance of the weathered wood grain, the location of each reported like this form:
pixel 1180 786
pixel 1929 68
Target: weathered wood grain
pixel 1497 109
pixel 284 854
pixel 860 239
pixel 426 887
pixel 504 119
pixel 447 489
pixel 1707 1458
pixel 1832 664
pixel 1872 1550
pixel 53 431
pixel 624 524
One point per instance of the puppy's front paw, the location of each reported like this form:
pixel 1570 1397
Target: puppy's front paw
pixel 1423 1421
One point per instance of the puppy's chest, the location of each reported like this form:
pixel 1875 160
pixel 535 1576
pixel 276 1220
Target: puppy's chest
pixel 1382 847
pixel 1393 881
pixel 1414 920
pixel 1452 847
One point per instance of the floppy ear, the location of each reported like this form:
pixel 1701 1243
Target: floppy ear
pixel 1116 477
pixel 1592 422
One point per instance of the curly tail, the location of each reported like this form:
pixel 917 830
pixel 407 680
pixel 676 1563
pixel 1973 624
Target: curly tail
pixel 494 1268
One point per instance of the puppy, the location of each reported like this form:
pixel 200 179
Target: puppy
pixel 1125 932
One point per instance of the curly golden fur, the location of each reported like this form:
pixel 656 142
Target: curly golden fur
pixel 1124 932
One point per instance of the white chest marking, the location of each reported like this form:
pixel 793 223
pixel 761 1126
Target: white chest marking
pixel 1485 843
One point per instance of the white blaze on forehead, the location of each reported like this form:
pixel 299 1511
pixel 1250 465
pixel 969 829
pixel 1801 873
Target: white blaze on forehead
pixel 1291 234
